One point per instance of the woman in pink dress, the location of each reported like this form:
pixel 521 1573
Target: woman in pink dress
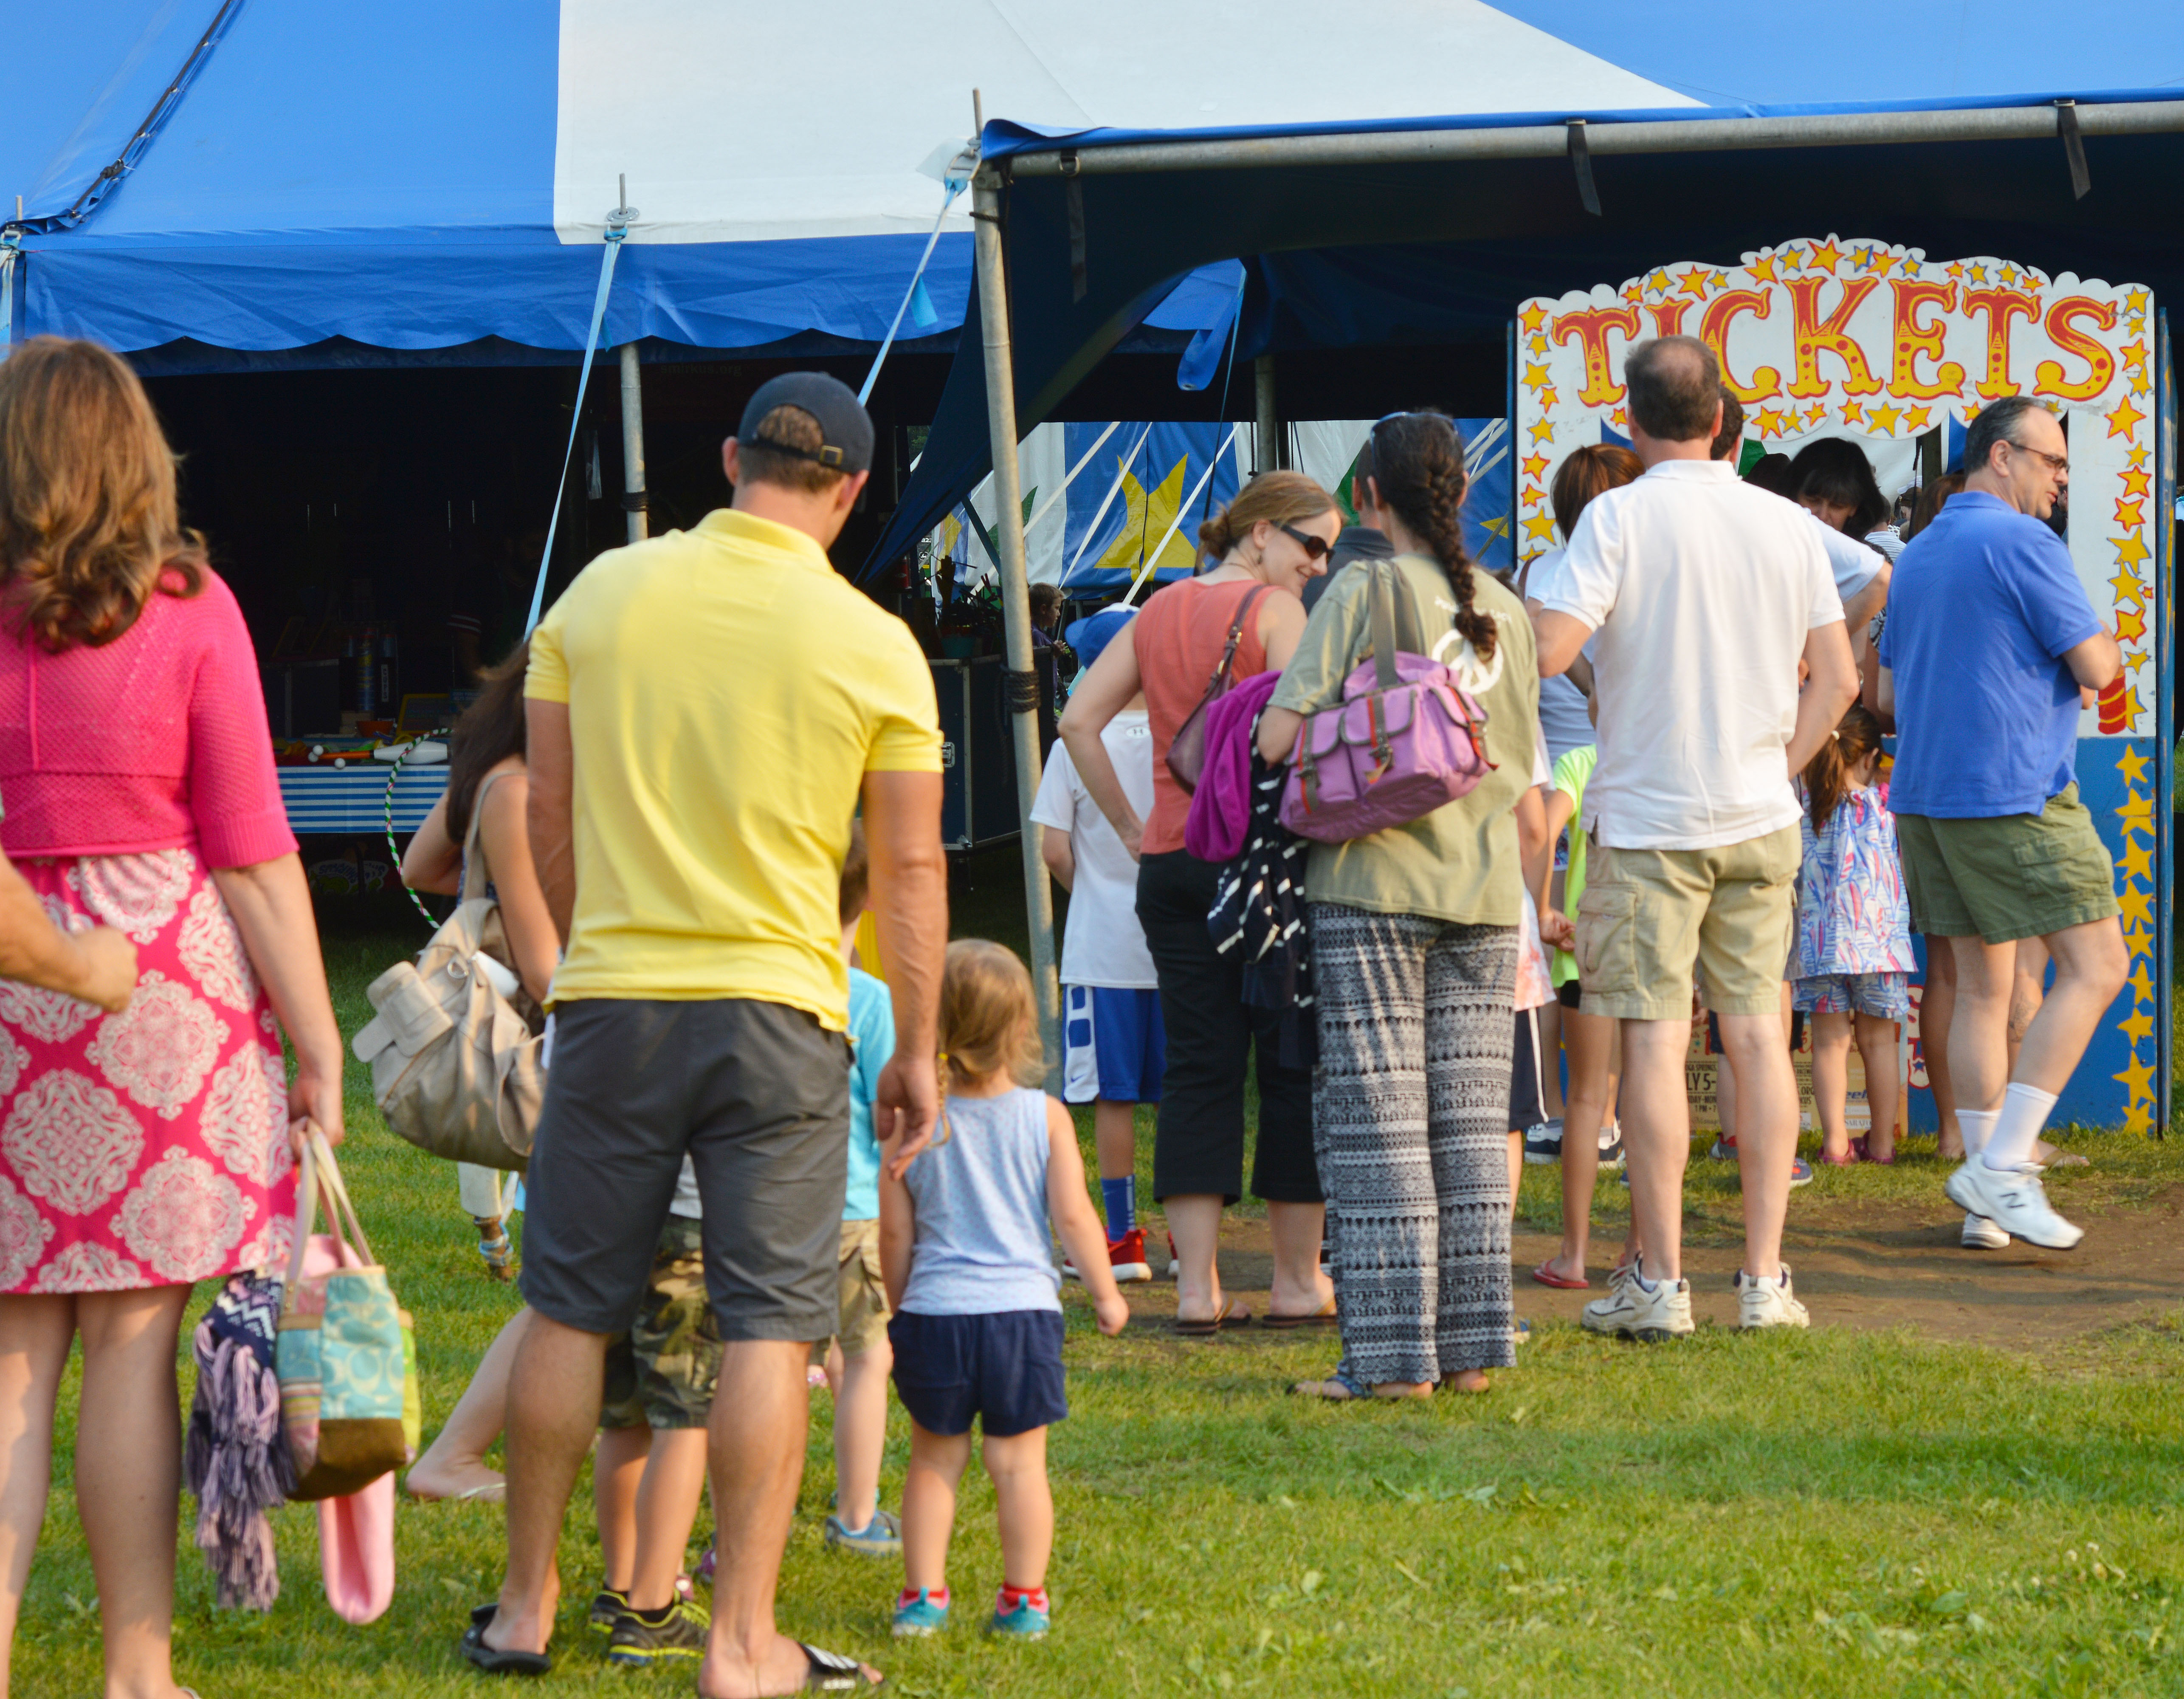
pixel 146 1149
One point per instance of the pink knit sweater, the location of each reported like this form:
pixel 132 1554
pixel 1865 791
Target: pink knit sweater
pixel 155 740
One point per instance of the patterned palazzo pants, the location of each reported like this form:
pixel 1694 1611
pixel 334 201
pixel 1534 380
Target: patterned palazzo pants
pixel 1410 1122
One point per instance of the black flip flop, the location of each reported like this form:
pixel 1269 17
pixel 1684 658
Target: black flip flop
pixel 829 1672
pixel 473 1647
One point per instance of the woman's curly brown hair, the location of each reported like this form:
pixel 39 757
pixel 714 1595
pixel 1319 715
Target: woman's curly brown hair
pixel 88 529
pixel 1417 468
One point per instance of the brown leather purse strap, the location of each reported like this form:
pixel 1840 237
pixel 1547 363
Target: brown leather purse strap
pixel 1219 682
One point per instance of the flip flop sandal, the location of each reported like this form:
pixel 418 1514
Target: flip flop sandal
pixel 1865 1148
pixel 473 1647
pixel 1227 1316
pixel 1849 1159
pixel 829 1672
pixel 1545 1275
pixel 1352 1390
pixel 1321 1318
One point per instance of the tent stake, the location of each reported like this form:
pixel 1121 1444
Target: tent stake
pixel 1023 682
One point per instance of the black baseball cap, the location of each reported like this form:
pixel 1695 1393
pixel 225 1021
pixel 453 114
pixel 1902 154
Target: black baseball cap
pixel 845 429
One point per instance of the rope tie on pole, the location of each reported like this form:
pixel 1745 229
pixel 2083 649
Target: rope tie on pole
pixel 1023 690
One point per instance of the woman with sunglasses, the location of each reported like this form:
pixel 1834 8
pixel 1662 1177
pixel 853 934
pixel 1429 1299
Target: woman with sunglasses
pixel 1269 543
pixel 1414 948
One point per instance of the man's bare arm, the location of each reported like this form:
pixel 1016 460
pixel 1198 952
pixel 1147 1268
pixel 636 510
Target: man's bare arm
pixel 1830 690
pixel 2095 662
pixel 1560 636
pixel 909 909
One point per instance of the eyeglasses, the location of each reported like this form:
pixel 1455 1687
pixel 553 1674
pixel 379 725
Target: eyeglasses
pixel 1310 542
pixel 2061 463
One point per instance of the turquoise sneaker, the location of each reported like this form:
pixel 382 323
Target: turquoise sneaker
pixel 884 1538
pixel 920 1613
pixel 1027 1621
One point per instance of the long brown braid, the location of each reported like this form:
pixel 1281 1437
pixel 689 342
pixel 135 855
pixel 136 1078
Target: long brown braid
pixel 1418 466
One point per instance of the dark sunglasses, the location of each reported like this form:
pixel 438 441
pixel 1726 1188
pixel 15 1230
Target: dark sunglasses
pixel 1314 545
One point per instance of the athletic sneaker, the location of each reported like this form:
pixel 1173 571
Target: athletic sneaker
pixel 1632 1312
pixel 1724 1148
pixel 919 1614
pixel 1767 1303
pixel 644 1638
pixel 1800 1172
pixel 610 1605
pixel 1543 1144
pixel 1610 1145
pixel 883 1538
pixel 2014 1199
pixel 1125 1255
pixel 1982 1234
pixel 1025 1621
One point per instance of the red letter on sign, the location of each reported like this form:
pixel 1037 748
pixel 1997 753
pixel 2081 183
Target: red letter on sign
pixel 1813 334
pixel 1600 390
pixel 1669 317
pixel 2000 306
pixel 1913 339
pixel 2048 376
pixel 1713 331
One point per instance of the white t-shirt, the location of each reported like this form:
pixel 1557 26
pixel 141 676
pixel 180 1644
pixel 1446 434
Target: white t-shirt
pixel 1886 541
pixel 1853 563
pixel 1700 589
pixel 1102 944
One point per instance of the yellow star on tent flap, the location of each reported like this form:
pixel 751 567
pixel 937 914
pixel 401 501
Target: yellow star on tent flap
pixel 1635 293
pixel 2007 274
pixel 1537 377
pixel 1619 419
pixel 2134 356
pixel 2135 301
pixel 1540 526
pixel 1770 422
pixel 2130 624
pixel 1495 528
pixel 2137 861
pixel 1853 412
pixel 2141 982
pixel 2138 1029
pixel 1535 466
pixel 2136 814
pixel 1658 282
pixel 1916 418
pixel 2137 908
pixel 1826 254
pixel 1534 316
pixel 2141 384
pixel 2135 482
pixel 1885 419
pixel 1536 344
pixel 2132 765
pixel 1693 282
pixel 2132 512
pixel 2128 591
pixel 1979 274
pixel 2139 1117
pixel 1816 414
pixel 1720 279
pixel 2126 420
pixel 1542 430
pixel 2136 458
pixel 1763 269
pixel 1956 270
pixel 1549 398
pixel 2130 551
pixel 2139 1078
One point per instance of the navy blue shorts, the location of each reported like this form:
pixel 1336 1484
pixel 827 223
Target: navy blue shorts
pixel 1005 1369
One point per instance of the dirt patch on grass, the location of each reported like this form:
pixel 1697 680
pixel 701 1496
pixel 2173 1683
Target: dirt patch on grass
pixel 1866 1264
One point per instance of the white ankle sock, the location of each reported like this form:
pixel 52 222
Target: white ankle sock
pixel 1638 1274
pixel 2016 1126
pixel 1977 1127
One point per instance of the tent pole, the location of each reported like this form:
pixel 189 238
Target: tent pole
pixel 1269 456
pixel 632 445
pixel 1023 682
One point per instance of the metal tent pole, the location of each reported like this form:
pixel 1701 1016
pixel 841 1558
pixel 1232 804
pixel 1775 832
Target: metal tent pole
pixel 633 501
pixel 1268 448
pixel 1016 603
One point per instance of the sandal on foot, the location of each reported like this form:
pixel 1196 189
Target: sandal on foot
pixel 1864 1147
pixel 829 1672
pixel 1850 1158
pixel 473 1647
pixel 1229 1315
pixel 1340 1388
pixel 1545 1275
pixel 1321 1318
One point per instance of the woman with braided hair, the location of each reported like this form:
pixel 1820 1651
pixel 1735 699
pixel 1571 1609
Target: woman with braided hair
pixel 1414 939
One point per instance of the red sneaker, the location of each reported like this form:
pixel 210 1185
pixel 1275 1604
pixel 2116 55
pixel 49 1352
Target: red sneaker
pixel 1125 1255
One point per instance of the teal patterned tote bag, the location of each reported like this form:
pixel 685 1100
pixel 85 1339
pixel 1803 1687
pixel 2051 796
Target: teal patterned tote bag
pixel 345 1355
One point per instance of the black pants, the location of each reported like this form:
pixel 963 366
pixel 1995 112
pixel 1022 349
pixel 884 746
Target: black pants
pixel 1200 1148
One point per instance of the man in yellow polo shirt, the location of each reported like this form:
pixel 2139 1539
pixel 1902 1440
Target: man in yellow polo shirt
pixel 707 710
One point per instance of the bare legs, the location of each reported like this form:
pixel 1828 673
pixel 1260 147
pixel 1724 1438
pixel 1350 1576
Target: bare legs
pixel 618 1468
pixel 1884 1083
pixel 1299 1287
pixel 1195 1223
pixel 668 1492
pixel 2091 962
pixel 1831 1036
pixel 128 1476
pixel 1766 1136
pixel 453 1465
pixel 552 1409
pixel 1937 1007
pixel 1022 1498
pixel 1551 1076
pixel 1595 1044
pixel 861 1390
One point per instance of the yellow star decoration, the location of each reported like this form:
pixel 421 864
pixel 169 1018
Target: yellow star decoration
pixel 1771 422
pixel 1956 271
pixel 2138 1029
pixel 2008 275
pixel 1658 281
pixel 2136 457
pixel 2136 814
pixel 1884 419
pixel 2137 908
pixel 2139 1117
pixel 2134 356
pixel 2129 591
pixel 1853 412
pixel 2141 384
pixel 1619 419
pixel 1826 254
pixel 1537 377
pixel 2126 420
pixel 1635 293
pixel 1763 269
pixel 2131 702
pixel 1916 418
pixel 2140 981
pixel 1540 526
pixel 2132 765
pixel 1816 414
pixel 1535 466
pixel 2131 512
pixel 1693 282
pixel 1792 258
pixel 1495 528
pixel 1720 279
pixel 1979 274
pixel 1542 431
pixel 2139 1078
pixel 2130 625
pixel 1534 317
pixel 1549 398
pixel 2137 861
pixel 2135 301
pixel 1536 346
pixel 2136 483
pixel 2130 551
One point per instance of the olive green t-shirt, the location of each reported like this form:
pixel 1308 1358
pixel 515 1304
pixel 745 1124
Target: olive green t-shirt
pixel 1461 862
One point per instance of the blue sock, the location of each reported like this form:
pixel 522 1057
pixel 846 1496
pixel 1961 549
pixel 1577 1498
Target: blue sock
pixel 1122 1196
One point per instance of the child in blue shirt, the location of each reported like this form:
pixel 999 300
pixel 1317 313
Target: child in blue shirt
pixel 964 1238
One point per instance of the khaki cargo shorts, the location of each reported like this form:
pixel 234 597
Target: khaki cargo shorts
pixel 1648 916
pixel 2008 876
pixel 663 1372
pixel 863 1321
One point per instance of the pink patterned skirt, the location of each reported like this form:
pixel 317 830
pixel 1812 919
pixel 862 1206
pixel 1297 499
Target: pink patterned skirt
pixel 148 1148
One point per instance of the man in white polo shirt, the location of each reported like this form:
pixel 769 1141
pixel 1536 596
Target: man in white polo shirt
pixel 1705 593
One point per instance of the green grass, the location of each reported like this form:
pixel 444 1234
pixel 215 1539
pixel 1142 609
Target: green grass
pixel 1834 1513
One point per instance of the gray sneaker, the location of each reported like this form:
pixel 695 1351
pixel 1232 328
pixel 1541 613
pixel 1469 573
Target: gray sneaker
pixel 1630 1310
pixel 1543 1144
pixel 2014 1199
pixel 883 1538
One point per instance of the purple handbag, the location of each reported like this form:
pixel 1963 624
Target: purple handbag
pixel 1406 739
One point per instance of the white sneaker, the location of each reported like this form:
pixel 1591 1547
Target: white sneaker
pixel 1767 1303
pixel 2014 1200
pixel 1982 1234
pixel 1632 1312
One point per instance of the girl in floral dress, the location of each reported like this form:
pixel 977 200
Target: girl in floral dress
pixel 1854 960
pixel 146 1149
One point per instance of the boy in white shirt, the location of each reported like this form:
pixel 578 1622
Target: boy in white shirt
pixel 1114 1047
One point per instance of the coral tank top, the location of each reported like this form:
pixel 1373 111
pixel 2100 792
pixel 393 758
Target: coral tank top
pixel 1179 639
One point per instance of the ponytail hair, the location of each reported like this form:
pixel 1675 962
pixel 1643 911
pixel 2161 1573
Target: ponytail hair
pixel 1418 461
pixel 1827 775
pixel 1279 498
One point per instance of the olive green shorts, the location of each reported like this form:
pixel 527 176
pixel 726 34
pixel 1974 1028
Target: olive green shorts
pixel 662 1373
pixel 863 1321
pixel 2007 877
pixel 1648 916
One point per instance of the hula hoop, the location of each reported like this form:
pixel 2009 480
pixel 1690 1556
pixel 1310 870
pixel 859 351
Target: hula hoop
pixel 394 771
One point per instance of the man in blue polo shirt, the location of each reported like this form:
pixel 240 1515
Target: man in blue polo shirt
pixel 1989 641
